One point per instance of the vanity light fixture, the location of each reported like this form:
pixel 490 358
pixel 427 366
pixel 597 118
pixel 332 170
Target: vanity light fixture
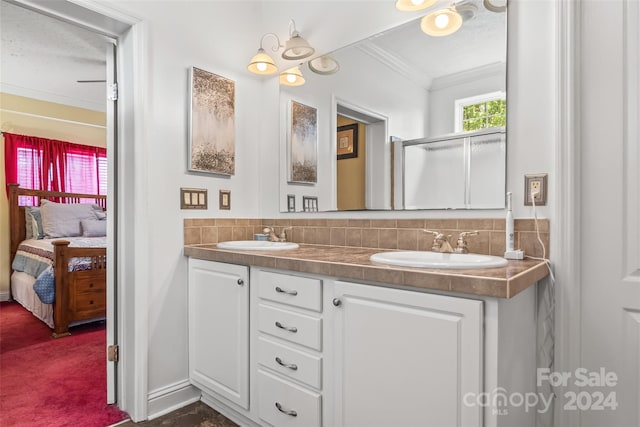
pixel 296 47
pixel 262 63
pixel 324 65
pixel 497 6
pixel 441 23
pixel 292 77
pixel 413 5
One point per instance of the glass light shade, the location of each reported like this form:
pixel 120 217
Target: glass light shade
pixel 324 65
pixel 297 48
pixel 441 23
pixel 262 64
pixel 413 5
pixel 292 77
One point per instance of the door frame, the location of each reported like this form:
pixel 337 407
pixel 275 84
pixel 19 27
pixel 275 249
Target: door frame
pixel 131 277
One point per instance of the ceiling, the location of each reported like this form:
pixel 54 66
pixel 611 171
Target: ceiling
pixel 42 58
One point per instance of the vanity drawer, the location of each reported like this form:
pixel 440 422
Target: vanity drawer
pixel 297 291
pixel 292 363
pixel 295 327
pixel 279 400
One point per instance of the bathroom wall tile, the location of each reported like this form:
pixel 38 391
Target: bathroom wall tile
pixel 323 236
pixel 475 224
pixel 479 244
pixel 188 222
pixel 354 237
pixel 209 234
pixel 425 241
pixel 347 271
pixel 338 237
pixel 255 221
pixel 242 221
pixel 310 235
pixel 296 235
pixel 499 224
pixel 317 222
pixel 423 280
pixel 359 223
pixel 497 243
pixel 370 238
pixel 283 222
pixel 479 286
pixel 530 245
pixel 323 268
pixel 239 233
pixel 529 224
pixel 192 236
pixel 441 224
pixel 408 239
pixel 384 223
pixel 388 238
pixel 225 234
pixel 411 223
pixel 225 222
pixel 339 222
pixel 262 261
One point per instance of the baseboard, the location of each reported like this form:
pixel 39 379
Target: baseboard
pixel 174 396
pixel 228 412
pixel 4 296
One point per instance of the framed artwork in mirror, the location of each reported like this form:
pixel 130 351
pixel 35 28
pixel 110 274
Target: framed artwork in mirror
pixel 303 144
pixel 212 146
pixel 347 141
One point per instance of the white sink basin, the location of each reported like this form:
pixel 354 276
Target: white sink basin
pixel 438 260
pixel 257 245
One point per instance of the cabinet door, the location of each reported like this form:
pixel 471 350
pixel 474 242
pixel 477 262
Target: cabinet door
pixel 219 329
pixel 405 358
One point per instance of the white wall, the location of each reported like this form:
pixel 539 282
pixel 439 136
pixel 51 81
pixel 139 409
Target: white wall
pixel 221 37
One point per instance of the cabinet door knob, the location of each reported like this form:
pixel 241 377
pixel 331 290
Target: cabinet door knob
pixel 337 302
pixel 290 413
pixel 240 282
pixel 287 328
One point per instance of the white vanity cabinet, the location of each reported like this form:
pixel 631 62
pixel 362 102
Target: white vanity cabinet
pixel 219 329
pixel 403 358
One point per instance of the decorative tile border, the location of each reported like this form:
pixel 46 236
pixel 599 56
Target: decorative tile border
pixel 405 234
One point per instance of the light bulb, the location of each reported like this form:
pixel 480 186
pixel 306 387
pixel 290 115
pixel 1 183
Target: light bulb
pixel 417 2
pixel 261 66
pixel 291 78
pixel 442 20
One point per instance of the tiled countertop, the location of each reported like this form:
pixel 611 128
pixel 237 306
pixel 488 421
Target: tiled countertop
pixel 353 264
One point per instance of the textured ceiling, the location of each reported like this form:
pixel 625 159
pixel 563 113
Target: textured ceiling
pixel 43 57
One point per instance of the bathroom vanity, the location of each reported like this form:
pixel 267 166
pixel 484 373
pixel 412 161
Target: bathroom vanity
pixel 320 336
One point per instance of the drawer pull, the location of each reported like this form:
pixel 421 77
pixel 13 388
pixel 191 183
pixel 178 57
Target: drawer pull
pixel 240 282
pixel 290 413
pixel 284 291
pixel 287 328
pixel 286 365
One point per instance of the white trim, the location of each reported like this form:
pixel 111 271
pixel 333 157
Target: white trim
pixel 4 296
pixel 169 398
pixel 55 119
pixel 470 76
pixel 565 245
pixel 395 63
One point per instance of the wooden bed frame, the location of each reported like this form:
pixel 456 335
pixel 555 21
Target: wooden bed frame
pixel 80 295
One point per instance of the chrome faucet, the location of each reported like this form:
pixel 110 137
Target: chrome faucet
pixel 461 244
pixel 440 242
pixel 273 237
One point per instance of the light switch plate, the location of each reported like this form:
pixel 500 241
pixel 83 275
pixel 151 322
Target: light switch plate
pixel 193 198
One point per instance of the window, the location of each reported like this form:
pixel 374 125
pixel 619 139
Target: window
pixel 45 164
pixel 481 112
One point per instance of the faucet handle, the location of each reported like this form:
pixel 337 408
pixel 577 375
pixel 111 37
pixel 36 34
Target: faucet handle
pixel 283 233
pixel 438 239
pixel 461 244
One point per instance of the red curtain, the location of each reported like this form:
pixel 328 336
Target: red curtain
pixel 48 164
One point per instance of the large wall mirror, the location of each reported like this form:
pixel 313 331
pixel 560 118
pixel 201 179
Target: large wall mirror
pixel 421 119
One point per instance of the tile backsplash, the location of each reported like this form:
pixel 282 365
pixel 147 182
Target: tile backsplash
pixel 405 234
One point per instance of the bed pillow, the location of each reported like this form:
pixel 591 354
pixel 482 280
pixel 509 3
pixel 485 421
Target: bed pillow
pixel 93 228
pixel 33 222
pixel 63 220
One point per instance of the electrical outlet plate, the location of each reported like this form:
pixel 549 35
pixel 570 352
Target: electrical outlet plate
pixel 537 182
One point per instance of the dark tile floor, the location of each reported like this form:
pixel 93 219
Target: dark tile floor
pixel 195 415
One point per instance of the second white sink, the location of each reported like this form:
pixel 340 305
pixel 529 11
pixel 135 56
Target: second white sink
pixel 425 259
pixel 257 245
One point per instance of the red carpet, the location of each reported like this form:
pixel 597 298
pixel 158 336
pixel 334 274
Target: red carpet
pixel 52 382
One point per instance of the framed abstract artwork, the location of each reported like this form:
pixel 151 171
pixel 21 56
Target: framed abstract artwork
pixel 303 144
pixel 212 146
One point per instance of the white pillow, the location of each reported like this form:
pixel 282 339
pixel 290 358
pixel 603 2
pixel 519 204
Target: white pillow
pixel 93 228
pixel 63 220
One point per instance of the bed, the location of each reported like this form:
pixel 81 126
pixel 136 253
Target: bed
pixel 74 268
